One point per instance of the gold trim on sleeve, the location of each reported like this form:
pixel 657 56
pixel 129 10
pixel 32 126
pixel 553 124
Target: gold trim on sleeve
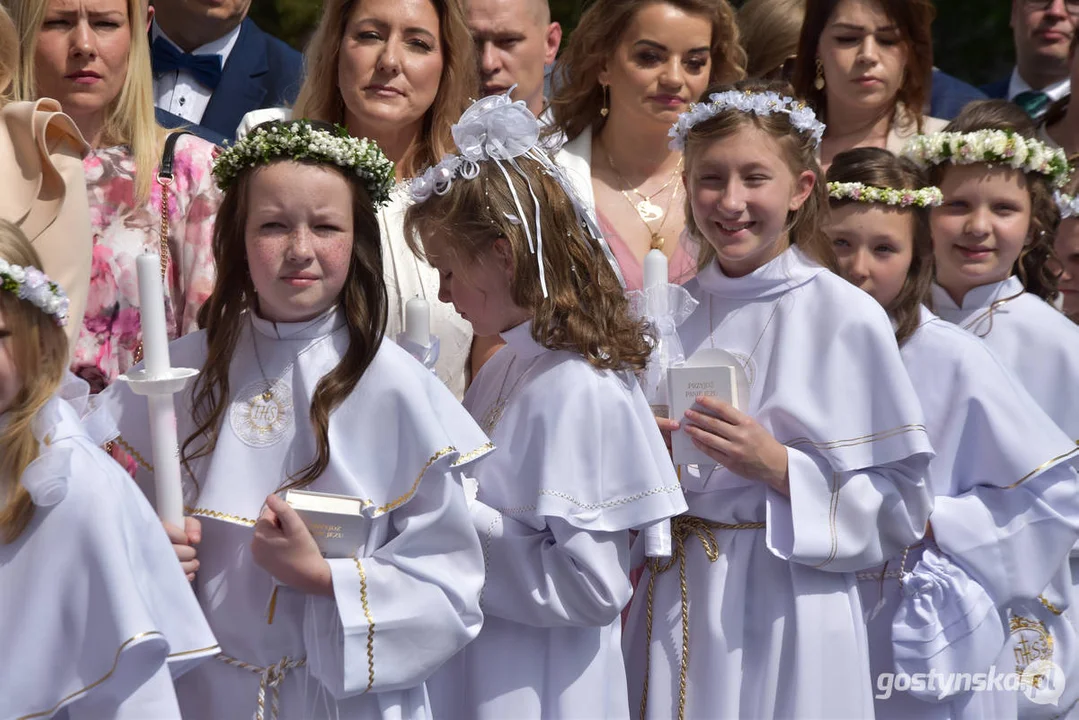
pixel 472 455
pixel 184 653
pixel 394 504
pixel 103 678
pixel 220 516
pixel 119 439
pixel 370 627
pixel 854 442
pixel 1043 466
pixel 833 513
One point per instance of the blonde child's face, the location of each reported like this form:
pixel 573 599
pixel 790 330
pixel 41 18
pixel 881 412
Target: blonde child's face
pixel 741 191
pixel 298 238
pixel 982 227
pixel 479 289
pixel 874 245
pixel 1066 248
pixel 10 378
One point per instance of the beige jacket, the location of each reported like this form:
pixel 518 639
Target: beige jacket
pixel 44 193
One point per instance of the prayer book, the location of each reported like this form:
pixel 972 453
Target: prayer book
pixel 337 522
pixel 685 385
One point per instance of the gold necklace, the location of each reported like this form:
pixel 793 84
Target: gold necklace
pixel 494 412
pixel 646 209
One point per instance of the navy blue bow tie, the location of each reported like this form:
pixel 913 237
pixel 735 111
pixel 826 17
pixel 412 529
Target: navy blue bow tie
pixel 205 68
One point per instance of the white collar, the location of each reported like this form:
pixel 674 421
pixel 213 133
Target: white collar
pixel 317 327
pixel 789 270
pixel 979 297
pixel 1055 91
pixel 221 46
pixel 519 339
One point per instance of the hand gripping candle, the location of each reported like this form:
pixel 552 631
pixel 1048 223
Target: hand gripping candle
pixel 657 538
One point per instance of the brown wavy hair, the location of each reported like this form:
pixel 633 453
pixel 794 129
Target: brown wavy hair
pixel 770 30
pixel 1033 266
pixel 320 98
pixel 913 19
pixel 586 311
pixel 39 348
pixel 579 98
pixel 223 316
pixel 880 168
pixel 798 148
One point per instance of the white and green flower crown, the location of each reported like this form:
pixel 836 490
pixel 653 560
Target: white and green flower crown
pixel 1005 147
pixel 297 140
pixel 32 285
pixel 761 104
pixel 859 192
pixel 1067 204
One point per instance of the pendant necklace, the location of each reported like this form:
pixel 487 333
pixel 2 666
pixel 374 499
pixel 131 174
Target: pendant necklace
pixel 262 413
pixel 494 412
pixel 648 211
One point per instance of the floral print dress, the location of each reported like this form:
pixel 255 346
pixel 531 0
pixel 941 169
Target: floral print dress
pixel 111 330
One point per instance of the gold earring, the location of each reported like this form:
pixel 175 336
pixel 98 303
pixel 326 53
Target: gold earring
pixel 605 111
pixel 819 81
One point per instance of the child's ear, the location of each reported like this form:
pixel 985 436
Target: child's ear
pixel 503 253
pixel 803 188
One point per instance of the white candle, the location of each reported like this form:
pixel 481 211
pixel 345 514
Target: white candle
pixel 418 322
pixel 657 537
pixel 655 275
pixel 155 338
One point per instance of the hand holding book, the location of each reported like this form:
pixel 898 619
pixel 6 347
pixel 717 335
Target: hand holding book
pixel 285 548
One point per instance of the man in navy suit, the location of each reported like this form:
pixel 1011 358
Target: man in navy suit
pixel 950 94
pixel 1042 32
pixel 212 64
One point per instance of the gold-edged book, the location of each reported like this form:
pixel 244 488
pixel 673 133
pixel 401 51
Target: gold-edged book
pixel 336 521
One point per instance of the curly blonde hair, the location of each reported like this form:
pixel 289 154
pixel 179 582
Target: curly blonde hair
pixel 586 311
pixel 577 103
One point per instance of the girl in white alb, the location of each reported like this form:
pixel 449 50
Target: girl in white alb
pixel 821 474
pixel 97 616
pixel 1006 510
pixel 993 243
pixel 298 390
pixel 579 459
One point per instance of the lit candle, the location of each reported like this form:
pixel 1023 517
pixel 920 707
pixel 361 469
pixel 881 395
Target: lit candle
pixel 155 338
pixel 418 322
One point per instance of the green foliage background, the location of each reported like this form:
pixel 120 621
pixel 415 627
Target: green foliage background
pixel 973 40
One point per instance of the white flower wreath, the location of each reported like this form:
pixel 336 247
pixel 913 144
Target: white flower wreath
pixel 30 284
pixel 1067 204
pixel 297 140
pixel 761 104
pixel 1004 147
pixel 859 192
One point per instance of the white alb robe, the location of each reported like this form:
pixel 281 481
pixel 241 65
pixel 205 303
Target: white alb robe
pixel 1005 515
pixel 775 620
pixel 1040 346
pixel 407 601
pixel 96 609
pixel 579 462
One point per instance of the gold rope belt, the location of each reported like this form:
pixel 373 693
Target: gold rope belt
pixel 681 528
pixel 270 677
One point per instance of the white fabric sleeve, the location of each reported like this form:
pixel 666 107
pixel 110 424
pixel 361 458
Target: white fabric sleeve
pixel 155 698
pixel 1012 541
pixel 404 609
pixel 558 576
pixel 850 521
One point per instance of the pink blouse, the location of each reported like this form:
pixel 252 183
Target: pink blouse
pixel 682 265
pixel 111 328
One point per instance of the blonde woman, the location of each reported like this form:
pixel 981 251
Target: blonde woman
pixel 630 68
pixel 400 74
pixel 94 59
pixel 41 154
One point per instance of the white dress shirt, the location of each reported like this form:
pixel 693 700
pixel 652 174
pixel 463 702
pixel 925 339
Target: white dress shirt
pixel 1055 91
pixel 178 91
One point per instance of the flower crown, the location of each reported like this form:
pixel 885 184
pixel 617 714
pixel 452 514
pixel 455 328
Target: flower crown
pixel 1067 204
pixel 297 140
pixel 29 283
pixel 1006 147
pixel 496 129
pixel 859 192
pixel 761 104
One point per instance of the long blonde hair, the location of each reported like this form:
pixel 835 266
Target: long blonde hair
pixel 577 103
pixel 39 348
pixel 320 97
pixel 129 118
pixel 9 55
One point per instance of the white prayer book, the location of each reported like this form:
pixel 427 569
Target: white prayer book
pixel 336 521
pixel 684 385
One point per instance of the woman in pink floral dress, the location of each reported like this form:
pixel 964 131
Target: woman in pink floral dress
pixel 94 58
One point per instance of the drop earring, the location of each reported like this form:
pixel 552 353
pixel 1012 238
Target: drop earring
pixel 605 111
pixel 818 82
